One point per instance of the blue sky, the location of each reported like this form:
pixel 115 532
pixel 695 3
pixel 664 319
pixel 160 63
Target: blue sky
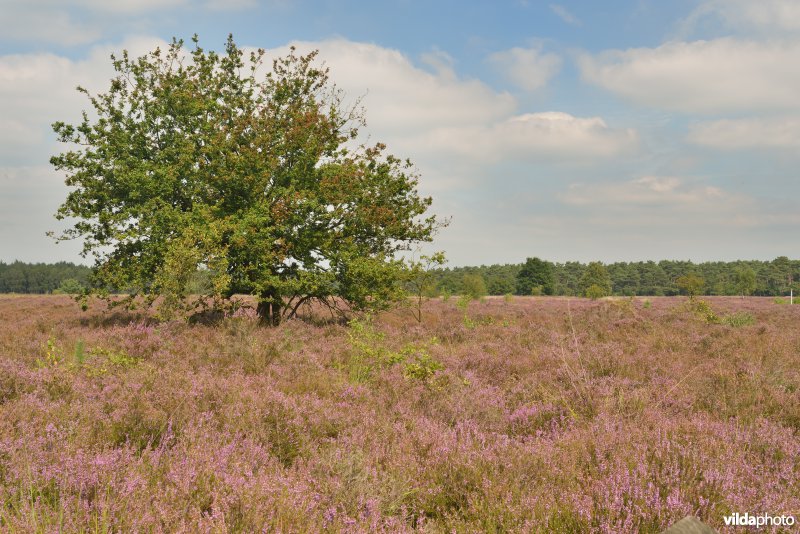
pixel 617 130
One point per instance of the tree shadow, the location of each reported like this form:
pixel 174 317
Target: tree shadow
pixel 116 318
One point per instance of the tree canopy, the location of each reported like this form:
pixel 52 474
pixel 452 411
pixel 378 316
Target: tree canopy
pixel 595 281
pixel 535 276
pixel 691 284
pixel 196 161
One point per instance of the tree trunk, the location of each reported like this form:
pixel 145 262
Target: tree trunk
pixel 269 309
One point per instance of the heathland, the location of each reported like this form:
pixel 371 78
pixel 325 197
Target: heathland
pixel 517 414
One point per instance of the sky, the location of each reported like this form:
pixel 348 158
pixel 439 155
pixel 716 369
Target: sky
pixel 573 130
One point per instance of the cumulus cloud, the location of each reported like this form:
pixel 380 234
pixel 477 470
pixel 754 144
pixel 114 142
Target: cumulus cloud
pixel 81 22
pixel 29 196
pixel 39 89
pixel 528 68
pixel 650 191
pixel 455 129
pixel 704 77
pixel 401 96
pixel 406 105
pixel 121 6
pixel 761 16
pixel 735 134
pixel 547 135
pixel 22 22
pixel 437 113
pixel 230 5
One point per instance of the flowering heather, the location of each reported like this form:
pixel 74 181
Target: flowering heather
pixel 521 415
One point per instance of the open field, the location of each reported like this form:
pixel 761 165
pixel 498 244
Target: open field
pixel 521 415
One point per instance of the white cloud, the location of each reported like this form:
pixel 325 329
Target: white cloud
pixel 649 192
pixel 26 22
pixel 734 134
pixel 123 6
pixel 455 129
pixel 706 77
pixel 80 22
pixel 232 5
pixel 541 136
pixel 747 15
pixel 441 62
pixel 414 110
pixel 564 14
pixel 528 68
pixel 401 98
pixel 39 89
pixel 29 196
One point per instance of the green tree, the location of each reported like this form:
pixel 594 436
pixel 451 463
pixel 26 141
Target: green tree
pixel 781 278
pixel 625 279
pixel 535 273
pixel 595 292
pixel 422 280
pixel 195 161
pixel 690 284
pixel 69 286
pixel 595 274
pixel 745 280
pixel 473 286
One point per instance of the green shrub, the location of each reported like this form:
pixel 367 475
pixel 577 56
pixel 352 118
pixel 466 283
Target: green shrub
pixel 595 292
pixel 473 286
pixel 69 286
pixel 370 353
pixel 423 368
pixel 738 319
pixel 704 311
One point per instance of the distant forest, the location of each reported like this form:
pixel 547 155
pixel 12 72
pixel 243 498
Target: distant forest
pixel 19 277
pixel 772 278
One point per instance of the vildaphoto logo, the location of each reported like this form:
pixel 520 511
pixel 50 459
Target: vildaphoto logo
pixel 758 521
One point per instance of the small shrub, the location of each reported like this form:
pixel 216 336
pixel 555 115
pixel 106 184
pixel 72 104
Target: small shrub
pixel 738 319
pixel 422 369
pixel 473 286
pixel 595 292
pixel 647 304
pixel 69 286
pixel 52 354
pixel 117 358
pixel 703 310
pixel 368 350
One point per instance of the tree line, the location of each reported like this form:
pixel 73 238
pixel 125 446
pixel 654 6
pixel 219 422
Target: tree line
pixel 533 277
pixel 663 278
pixel 20 277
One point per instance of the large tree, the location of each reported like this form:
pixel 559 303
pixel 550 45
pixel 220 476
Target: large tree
pixel 691 284
pixel 596 278
pixel 535 276
pixel 745 280
pixel 193 160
